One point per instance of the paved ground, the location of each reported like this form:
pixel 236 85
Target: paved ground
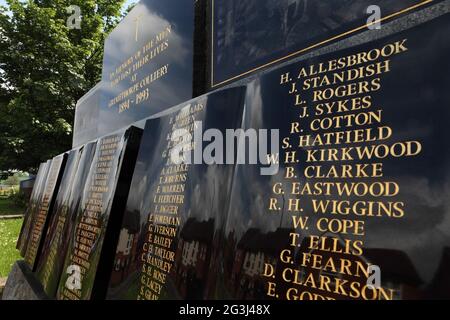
pixel 17 216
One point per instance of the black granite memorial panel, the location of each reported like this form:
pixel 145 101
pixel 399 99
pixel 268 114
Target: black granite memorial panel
pixel 169 242
pixel 250 35
pixel 32 206
pixel 44 210
pixel 148 63
pixel 92 241
pixel 63 220
pixel 362 188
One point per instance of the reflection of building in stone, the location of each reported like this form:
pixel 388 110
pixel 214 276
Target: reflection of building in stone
pixel 191 253
pixel 397 272
pixel 192 258
pixel 245 266
pixel 125 260
pixel 399 278
pixel 253 263
pixel 125 242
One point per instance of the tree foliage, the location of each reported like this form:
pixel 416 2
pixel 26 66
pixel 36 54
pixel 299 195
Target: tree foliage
pixel 45 67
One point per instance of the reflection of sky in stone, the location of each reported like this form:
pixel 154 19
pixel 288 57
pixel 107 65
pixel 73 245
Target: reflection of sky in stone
pixel 253 32
pixel 87 117
pixel 165 92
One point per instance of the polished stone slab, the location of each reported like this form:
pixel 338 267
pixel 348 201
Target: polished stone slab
pixel 44 210
pixel 35 198
pixel 148 63
pixel 62 221
pixel 91 242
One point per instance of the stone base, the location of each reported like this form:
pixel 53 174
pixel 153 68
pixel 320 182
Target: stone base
pixel 2 286
pixel 22 285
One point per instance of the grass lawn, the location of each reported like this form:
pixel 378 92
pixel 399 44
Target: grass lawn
pixel 9 232
pixel 7 207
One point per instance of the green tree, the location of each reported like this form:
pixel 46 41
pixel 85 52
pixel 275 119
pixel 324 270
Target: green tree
pixel 45 67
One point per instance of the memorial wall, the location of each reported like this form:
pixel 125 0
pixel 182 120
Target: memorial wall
pixel 313 165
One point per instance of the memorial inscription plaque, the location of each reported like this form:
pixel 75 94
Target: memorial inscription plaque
pixel 250 35
pixel 63 220
pixel 93 239
pixel 169 242
pixel 44 210
pixel 362 188
pixel 32 207
pixel 148 63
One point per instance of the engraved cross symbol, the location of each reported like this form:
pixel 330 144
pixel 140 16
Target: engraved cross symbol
pixel 137 20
